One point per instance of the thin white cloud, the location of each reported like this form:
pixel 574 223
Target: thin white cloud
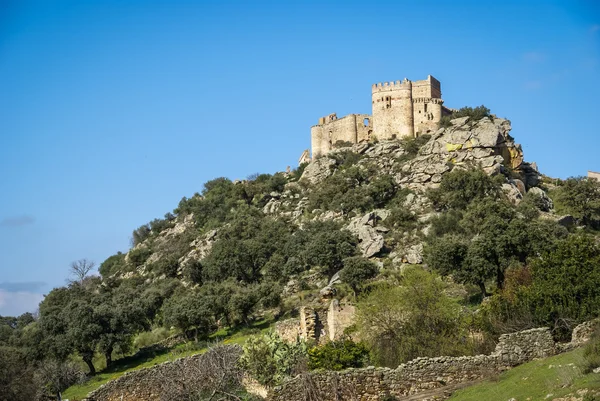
pixel 17 303
pixel 595 28
pixel 17 221
pixel 534 57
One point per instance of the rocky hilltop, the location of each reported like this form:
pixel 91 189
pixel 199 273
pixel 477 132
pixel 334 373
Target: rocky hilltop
pixel 464 144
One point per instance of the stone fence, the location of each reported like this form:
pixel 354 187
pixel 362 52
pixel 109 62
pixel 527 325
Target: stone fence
pixel 418 375
pixel 368 384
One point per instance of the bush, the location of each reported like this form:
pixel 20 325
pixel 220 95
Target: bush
pixel 475 113
pixel 357 270
pixel 413 320
pixel 338 355
pixel 566 284
pixel 269 359
pixel 112 264
pixel 139 256
pixel 591 353
pixel 147 338
pixel 460 187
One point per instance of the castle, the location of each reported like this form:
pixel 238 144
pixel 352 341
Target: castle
pixel 400 109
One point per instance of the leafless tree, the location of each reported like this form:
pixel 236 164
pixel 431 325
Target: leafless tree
pixel 80 269
pixel 56 376
pixel 214 376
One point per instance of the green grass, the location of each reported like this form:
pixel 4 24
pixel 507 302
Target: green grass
pixel 136 362
pixel 533 381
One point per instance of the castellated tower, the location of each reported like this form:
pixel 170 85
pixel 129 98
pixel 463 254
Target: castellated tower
pixel 400 109
pixel 393 110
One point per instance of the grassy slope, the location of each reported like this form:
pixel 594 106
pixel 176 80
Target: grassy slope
pixel 129 364
pixel 533 381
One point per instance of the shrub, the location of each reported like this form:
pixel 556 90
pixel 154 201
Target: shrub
pixel 415 319
pixel 269 359
pixel 591 353
pixel 338 355
pixel 357 270
pixel 139 256
pixel 148 338
pixel 112 264
pixel 475 113
pixel 460 187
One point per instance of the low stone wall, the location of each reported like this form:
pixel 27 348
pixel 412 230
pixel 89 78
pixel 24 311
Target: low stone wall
pixel 143 384
pixel 418 375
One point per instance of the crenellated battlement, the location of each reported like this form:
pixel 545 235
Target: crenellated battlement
pixel 392 85
pixel 432 100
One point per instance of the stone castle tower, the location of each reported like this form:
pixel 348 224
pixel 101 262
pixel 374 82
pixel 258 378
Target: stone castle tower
pixel 400 109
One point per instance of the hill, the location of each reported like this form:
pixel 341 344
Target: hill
pixel 420 247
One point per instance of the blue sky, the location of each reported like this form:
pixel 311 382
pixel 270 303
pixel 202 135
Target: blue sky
pixel 111 111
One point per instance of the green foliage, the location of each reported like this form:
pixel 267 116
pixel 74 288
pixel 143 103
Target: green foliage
pixel 139 256
pixel 412 145
pixel 357 270
pixel 75 319
pixel 113 264
pixel 269 359
pixel 591 353
pixel 245 247
pixel 579 197
pixel 338 355
pixel 148 338
pixel 566 283
pixel 346 158
pixel 475 113
pixel 353 188
pixel 460 187
pixel 342 144
pixel 327 246
pixel 486 241
pixel 16 376
pixel 297 172
pixel 415 319
pixel 191 312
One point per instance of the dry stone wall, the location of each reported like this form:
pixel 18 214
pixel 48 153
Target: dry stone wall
pixel 419 375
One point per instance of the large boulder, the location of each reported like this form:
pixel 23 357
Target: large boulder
pixel 318 170
pixel 545 203
pixel 485 143
pixel 368 231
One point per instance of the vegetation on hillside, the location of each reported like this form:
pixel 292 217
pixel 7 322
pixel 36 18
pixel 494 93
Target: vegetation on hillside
pixel 490 267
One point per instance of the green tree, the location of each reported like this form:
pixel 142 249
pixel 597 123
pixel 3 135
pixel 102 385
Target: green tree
pixel 412 320
pixel 580 197
pixel 566 283
pixel 356 271
pixel 460 187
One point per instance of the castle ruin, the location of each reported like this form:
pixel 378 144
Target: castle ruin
pixel 400 109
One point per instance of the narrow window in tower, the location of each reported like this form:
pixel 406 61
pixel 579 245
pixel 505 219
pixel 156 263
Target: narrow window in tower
pixel 425 104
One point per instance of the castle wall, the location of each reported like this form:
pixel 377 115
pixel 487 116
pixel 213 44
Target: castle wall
pixel 594 175
pixel 400 109
pixel 352 128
